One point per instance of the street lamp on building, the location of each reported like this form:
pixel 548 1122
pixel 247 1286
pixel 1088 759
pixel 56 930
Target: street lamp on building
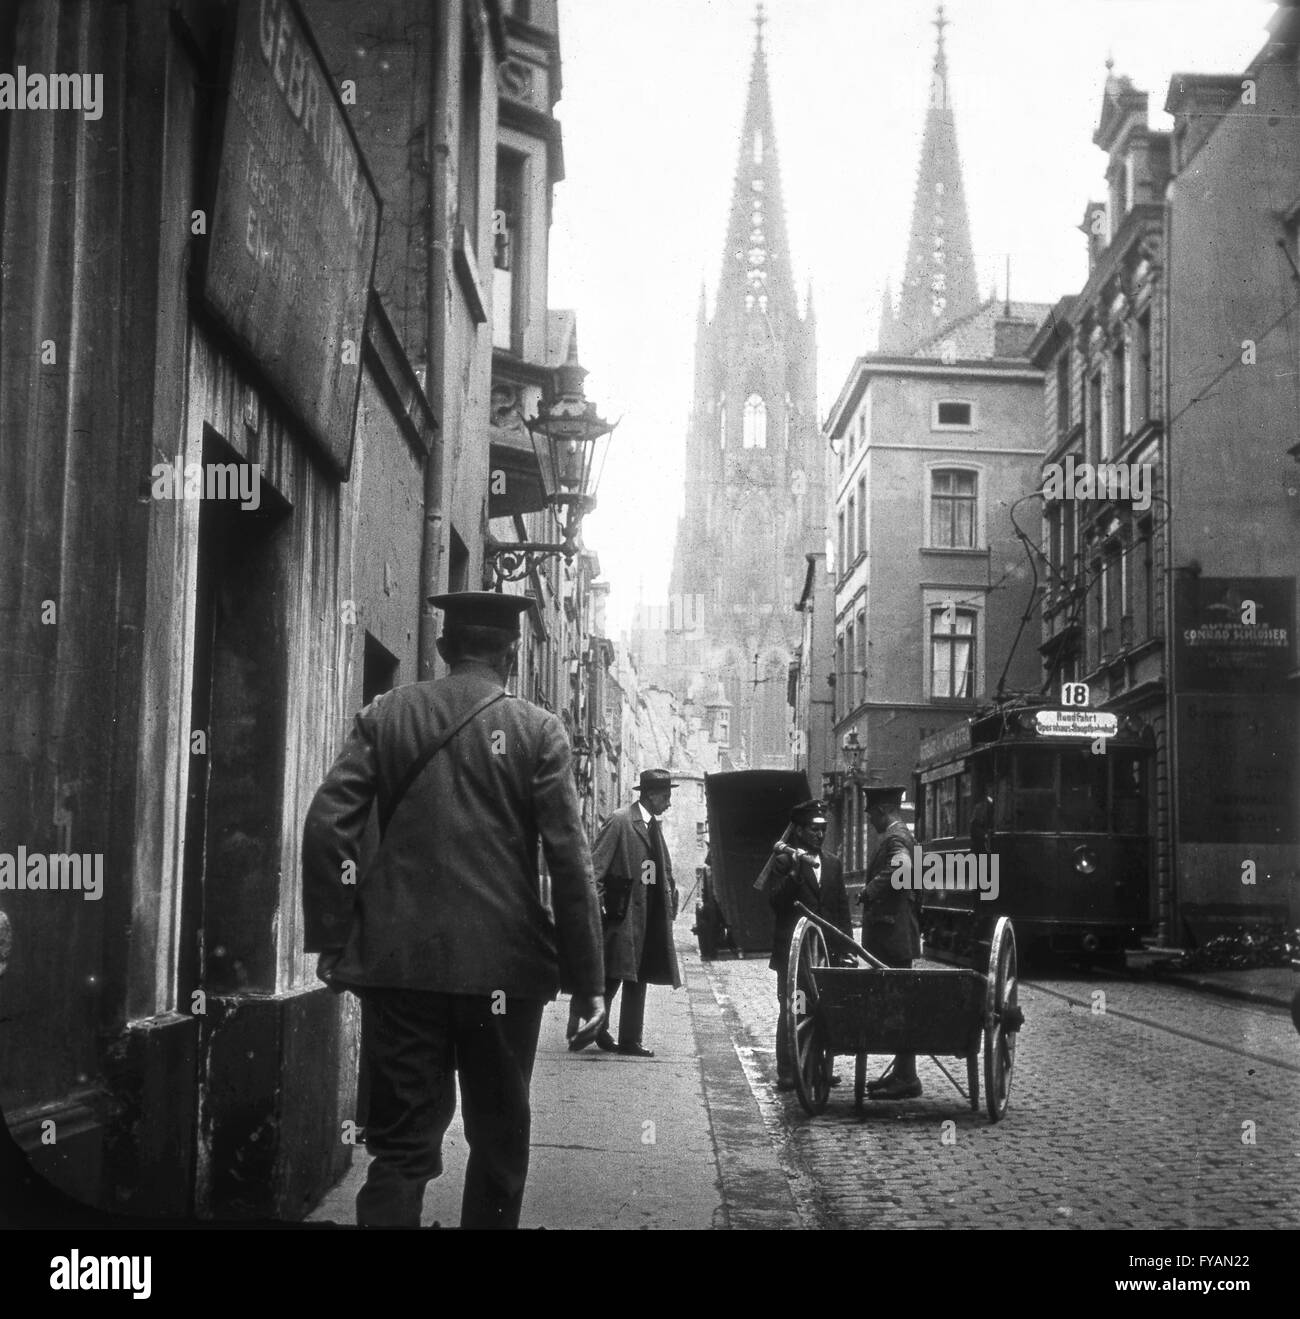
pixel 835 780
pixel 570 441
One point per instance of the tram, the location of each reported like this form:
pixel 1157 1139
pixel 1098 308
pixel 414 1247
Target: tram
pixel 1042 814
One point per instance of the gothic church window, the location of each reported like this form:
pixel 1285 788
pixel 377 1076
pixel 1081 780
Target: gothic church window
pixel 755 423
pixel 758 146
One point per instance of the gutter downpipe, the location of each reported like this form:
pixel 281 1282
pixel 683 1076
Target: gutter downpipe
pixel 1166 912
pixel 431 551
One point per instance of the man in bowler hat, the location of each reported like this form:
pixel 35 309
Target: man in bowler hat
pixel 445 937
pixel 890 928
pixel 802 872
pixel 634 876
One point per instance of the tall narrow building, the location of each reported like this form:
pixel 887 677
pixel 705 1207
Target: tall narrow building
pixel 754 470
pixel 939 280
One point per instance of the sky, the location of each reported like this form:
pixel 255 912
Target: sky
pixel 651 109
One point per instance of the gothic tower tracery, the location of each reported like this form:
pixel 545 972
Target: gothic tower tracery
pixel 754 470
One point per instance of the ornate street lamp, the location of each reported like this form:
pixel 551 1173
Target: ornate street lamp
pixel 834 780
pixel 571 442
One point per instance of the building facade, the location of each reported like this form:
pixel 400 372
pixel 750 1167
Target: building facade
pixel 246 360
pixel 934 444
pixel 1171 588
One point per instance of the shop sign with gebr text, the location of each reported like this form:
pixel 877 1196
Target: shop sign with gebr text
pixel 294 224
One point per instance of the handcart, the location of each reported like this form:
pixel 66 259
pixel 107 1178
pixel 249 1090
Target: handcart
pixel 868 1008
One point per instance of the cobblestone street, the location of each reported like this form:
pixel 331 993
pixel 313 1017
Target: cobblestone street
pixel 1154 1107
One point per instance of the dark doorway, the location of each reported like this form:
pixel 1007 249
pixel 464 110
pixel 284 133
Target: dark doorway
pixel 233 816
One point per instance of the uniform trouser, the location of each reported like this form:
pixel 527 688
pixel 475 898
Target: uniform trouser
pixel 631 1015
pixel 785 1059
pixel 415 1045
pixel 904 1064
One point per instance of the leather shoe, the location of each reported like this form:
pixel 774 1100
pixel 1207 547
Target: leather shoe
pixel 785 1082
pixel 835 1080
pixel 634 1051
pixel 605 1042
pixel 897 1088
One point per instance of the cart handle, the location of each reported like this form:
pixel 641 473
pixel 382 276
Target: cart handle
pixel 827 928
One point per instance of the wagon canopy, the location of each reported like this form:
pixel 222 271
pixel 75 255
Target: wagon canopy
pixel 748 811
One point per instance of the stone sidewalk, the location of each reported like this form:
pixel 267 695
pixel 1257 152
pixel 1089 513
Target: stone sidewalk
pixel 674 1141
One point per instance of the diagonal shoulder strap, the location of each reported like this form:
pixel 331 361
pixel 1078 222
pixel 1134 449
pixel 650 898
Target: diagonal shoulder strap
pixel 417 765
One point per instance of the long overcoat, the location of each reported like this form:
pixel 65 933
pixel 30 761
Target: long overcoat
pixel 452 903
pixel 621 849
pixel 795 881
pixel 890 928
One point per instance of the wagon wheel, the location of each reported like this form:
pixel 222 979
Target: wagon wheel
pixel 812 1059
pixel 1002 1018
pixel 860 1082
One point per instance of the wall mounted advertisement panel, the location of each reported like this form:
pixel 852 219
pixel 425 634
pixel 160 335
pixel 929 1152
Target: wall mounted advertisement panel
pixel 294 224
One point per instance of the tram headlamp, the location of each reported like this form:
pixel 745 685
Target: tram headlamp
pixel 1085 859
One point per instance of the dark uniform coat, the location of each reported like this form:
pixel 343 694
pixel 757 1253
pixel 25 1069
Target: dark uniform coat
pixel 452 902
pixel 792 882
pixel 890 928
pixel 621 849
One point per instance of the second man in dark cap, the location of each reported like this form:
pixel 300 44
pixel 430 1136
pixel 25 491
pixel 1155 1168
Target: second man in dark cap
pixel 890 929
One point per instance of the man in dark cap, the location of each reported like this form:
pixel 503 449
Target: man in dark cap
pixel 639 904
pixel 445 936
pixel 800 871
pixel 890 928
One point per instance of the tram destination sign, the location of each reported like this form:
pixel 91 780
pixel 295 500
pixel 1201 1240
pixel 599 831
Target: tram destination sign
pixel 1076 723
pixel 294 224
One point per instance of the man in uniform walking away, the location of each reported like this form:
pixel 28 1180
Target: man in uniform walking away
pixel 639 904
pixel 800 871
pixel 890 928
pixel 445 937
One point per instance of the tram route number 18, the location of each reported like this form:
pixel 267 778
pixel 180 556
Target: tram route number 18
pixel 1075 693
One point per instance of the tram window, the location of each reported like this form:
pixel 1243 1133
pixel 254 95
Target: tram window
pixel 1033 796
pixel 945 803
pixel 963 804
pixel 1128 793
pixel 1083 792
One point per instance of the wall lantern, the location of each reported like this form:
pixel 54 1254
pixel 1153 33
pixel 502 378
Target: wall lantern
pixel 571 442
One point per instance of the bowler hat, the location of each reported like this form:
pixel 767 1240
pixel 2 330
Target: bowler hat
pixel 655 780
pixel 808 812
pixel 481 609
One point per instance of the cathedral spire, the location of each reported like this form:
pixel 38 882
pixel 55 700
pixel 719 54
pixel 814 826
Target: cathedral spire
pixel 756 275
pixel 939 281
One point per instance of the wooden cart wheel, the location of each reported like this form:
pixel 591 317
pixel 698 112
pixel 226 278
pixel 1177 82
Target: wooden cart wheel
pixel 973 1079
pixel 1001 1018
pixel 860 1082
pixel 812 1060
